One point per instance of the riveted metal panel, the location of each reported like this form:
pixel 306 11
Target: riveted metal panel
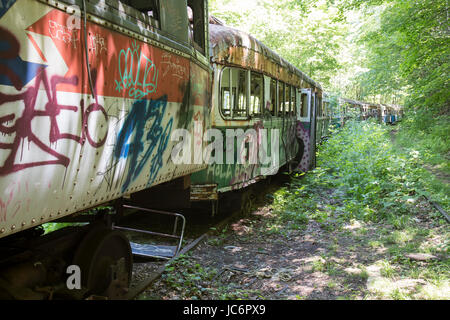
pixel 66 145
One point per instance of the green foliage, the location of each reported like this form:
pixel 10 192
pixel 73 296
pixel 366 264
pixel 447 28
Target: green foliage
pixel 187 277
pixel 54 226
pixel 408 50
pixel 366 193
pixel 378 178
pixel 427 134
pixel 367 178
pixel 219 238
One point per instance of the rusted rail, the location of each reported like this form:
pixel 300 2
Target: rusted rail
pixel 439 208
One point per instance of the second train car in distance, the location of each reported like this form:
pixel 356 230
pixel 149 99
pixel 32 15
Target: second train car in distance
pixel 262 100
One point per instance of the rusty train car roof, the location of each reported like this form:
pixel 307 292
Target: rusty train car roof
pixel 369 104
pixel 234 47
pixel 354 102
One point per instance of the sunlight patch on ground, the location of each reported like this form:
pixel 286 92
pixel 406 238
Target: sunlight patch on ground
pixel 434 292
pixel 354 224
pixel 389 287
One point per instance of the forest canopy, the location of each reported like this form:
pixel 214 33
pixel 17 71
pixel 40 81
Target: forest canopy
pixel 375 50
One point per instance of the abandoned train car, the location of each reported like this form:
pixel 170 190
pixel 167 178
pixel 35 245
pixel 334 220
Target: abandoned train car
pixel 90 94
pixel 266 103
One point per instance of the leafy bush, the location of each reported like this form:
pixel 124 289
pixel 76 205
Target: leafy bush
pixel 363 176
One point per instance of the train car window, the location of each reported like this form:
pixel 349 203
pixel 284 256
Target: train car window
pixel 149 7
pixel 225 93
pixel 287 99
pixel 273 96
pixel 293 100
pixel 321 109
pixel 280 98
pixel 196 16
pixel 304 109
pixel 256 93
pixel 240 107
pixel 190 15
pixel 234 93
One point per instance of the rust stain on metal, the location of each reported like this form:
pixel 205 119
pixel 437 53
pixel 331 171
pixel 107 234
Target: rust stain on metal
pixel 204 192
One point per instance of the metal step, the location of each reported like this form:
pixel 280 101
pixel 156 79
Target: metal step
pixel 152 250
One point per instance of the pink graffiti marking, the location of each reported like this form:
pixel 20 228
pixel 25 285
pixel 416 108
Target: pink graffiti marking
pixel 23 129
pixel 11 203
pixel 198 130
pixel 243 177
pixel 303 134
pixel 9 191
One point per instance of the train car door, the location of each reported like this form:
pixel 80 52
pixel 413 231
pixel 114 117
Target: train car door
pixel 305 130
pixel 313 121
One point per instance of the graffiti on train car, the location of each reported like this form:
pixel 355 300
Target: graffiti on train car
pixel 137 143
pixel 243 175
pixel 290 140
pixel 13 70
pixel 63 33
pixel 137 82
pixel 22 126
pixel 11 203
pixel 248 155
pixel 199 90
pixel 303 135
pixel 23 129
pixel 97 43
pixel 172 65
pixel 5 5
pixel 198 137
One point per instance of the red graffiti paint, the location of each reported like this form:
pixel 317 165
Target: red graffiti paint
pixel 126 68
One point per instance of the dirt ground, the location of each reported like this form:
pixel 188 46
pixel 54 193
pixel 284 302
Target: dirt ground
pixel 356 261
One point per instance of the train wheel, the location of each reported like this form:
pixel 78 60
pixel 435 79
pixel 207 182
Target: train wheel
pixel 105 261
